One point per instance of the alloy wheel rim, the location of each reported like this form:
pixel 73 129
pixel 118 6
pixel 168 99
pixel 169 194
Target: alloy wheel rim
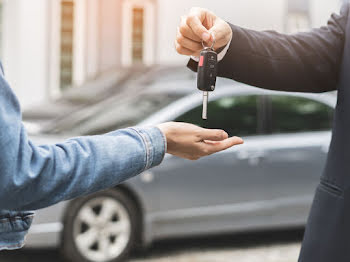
pixel 102 229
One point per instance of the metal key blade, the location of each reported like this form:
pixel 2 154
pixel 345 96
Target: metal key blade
pixel 205 105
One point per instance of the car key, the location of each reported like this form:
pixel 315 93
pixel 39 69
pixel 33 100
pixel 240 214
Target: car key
pixel 206 74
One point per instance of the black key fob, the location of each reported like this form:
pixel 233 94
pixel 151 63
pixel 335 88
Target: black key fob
pixel 207 70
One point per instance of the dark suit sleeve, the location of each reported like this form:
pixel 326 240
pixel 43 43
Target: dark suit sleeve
pixel 303 62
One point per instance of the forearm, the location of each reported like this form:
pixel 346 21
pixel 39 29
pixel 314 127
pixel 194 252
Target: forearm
pixel 304 62
pixel 44 175
pixel 33 177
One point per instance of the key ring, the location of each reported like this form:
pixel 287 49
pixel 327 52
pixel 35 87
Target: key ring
pixel 212 45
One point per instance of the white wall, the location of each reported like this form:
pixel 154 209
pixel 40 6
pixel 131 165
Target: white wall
pixel 79 49
pixel 321 10
pixel 110 17
pixel 255 14
pixel 25 48
pixel 92 39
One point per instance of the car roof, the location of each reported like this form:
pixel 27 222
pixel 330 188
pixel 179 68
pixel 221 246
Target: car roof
pixel 226 88
pixel 230 87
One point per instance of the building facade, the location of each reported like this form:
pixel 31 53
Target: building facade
pixel 48 46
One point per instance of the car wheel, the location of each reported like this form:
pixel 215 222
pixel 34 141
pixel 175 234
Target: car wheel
pixel 100 228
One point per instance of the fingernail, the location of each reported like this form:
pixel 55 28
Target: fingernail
pixel 206 37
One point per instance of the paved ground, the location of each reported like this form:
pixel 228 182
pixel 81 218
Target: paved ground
pixel 281 246
pixel 279 253
pixel 275 253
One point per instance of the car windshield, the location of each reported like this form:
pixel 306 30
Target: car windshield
pixel 112 115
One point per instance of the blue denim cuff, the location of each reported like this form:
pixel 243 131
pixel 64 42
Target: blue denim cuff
pixel 155 144
pixel 14 228
pixel 12 240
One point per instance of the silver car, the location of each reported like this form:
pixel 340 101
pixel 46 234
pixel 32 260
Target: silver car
pixel 266 183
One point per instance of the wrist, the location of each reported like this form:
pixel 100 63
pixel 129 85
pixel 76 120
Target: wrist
pixel 165 132
pixel 154 143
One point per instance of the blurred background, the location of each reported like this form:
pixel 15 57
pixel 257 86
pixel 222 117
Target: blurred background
pixel 86 67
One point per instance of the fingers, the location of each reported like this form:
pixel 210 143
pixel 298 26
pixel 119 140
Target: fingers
pixel 212 135
pixel 187 43
pixel 187 32
pixel 195 22
pixel 214 147
pixel 211 147
pixel 201 25
pixel 193 30
pixel 210 142
pixel 192 142
pixel 184 51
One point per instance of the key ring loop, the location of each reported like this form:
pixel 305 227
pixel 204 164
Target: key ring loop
pixel 212 45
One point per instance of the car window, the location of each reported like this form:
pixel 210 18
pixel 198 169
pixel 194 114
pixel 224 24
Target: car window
pixel 236 115
pixel 298 114
pixel 120 114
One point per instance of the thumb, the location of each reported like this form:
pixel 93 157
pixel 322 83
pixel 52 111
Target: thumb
pixel 225 144
pixel 214 33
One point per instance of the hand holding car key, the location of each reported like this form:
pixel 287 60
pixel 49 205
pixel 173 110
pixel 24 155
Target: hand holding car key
pixel 207 72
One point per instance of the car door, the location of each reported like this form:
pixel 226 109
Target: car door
pixel 215 186
pixel 294 154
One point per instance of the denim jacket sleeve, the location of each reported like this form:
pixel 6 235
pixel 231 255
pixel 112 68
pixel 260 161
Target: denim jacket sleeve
pixel 34 177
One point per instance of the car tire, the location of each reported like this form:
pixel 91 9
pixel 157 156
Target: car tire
pixel 103 227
